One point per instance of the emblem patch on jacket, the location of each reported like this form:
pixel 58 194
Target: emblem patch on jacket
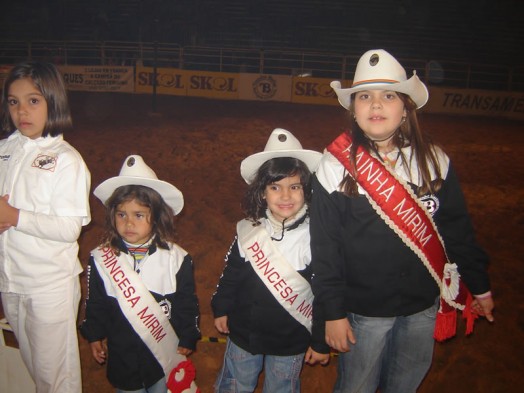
pixel 43 161
pixel 431 203
pixel 165 305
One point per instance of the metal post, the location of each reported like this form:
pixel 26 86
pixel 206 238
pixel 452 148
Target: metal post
pixel 153 102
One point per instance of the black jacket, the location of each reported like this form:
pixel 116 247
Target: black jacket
pixel 360 265
pixel 130 364
pixel 257 322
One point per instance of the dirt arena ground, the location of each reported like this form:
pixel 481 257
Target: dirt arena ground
pixel 198 144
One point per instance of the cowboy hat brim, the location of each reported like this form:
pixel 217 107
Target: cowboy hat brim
pixel 413 87
pixel 171 195
pixel 251 164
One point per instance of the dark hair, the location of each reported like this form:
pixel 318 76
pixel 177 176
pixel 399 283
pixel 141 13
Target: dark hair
pixel 161 215
pixel 48 80
pixel 272 171
pixel 408 134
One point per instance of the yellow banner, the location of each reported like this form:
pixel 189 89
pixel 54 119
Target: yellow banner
pixel 258 87
pixel 475 102
pixel 308 90
pixel 168 81
pixel 98 78
pixel 217 85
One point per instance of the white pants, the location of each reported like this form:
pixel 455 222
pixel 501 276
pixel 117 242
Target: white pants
pixel 45 327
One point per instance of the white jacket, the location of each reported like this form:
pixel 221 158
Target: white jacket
pixel 47 179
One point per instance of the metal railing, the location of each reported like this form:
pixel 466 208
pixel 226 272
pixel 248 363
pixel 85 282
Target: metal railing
pixel 271 61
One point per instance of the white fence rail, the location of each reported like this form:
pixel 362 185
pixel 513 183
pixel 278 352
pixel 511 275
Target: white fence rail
pixel 271 61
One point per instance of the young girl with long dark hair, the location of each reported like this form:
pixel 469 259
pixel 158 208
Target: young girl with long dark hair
pixel 394 254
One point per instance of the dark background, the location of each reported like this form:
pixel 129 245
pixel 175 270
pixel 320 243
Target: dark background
pixel 463 30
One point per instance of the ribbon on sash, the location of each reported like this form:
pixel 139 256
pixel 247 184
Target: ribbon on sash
pixel 147 319
pixel 398 206
pixel 289 288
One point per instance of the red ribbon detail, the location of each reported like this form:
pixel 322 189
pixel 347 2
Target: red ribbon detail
pixel 431 247
pixel 185 383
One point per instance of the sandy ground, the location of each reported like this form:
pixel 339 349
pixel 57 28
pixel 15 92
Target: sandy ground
pixel 198 144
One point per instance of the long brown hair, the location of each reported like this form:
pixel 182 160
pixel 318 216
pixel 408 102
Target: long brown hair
pixel 408 133
pixel 161 215
pixel 49 82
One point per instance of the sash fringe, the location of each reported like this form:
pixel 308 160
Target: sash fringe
pixel 446 324
pixel 468 315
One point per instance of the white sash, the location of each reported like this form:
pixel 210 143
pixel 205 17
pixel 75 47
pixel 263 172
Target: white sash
pixel 288 287
pixel 141 309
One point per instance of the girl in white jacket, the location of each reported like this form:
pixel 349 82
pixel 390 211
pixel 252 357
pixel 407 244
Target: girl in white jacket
pixel 44 188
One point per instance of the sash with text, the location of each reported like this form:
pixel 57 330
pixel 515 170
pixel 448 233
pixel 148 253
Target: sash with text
pixel 288 287
pixel 147 318
pixel 398 206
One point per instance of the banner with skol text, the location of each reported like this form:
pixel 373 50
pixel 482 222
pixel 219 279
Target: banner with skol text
pixel 309 90
pixel 217 85
pixel 476 102
pixel 168 80
pixel 99 78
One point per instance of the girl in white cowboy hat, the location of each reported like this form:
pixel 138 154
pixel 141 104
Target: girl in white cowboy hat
pixel 263 300
pixel 394 254
pixel 141 309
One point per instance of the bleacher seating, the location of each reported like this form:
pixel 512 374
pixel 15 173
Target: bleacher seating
pixel 482 31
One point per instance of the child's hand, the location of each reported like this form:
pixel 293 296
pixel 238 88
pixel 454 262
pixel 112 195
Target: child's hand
pixel 339 334
pixel 312 357
pixel 99 351
pixel 184 351
pixel 221 324
pixel 483 305
pixel 8 214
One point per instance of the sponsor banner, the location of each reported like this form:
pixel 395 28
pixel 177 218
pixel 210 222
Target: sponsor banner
pixel 308 90
pixel 98 78
pixel 475 102
pixel 168 81
pixel 258 87
pixel 217 85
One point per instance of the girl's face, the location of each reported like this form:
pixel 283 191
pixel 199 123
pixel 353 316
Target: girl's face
pixel 378 112
pixel 27 108
pixel 133 222
pixel 285 197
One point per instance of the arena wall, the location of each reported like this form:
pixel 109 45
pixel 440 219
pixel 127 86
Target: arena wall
pixel 267 87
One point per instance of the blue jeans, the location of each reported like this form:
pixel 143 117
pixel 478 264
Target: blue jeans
pixel 393 354
pixel 158 387
pixel 240 371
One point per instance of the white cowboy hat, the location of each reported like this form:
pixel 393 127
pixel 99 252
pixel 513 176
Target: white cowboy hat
pixel 281 143
pixel 378 70
pixel 135 172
